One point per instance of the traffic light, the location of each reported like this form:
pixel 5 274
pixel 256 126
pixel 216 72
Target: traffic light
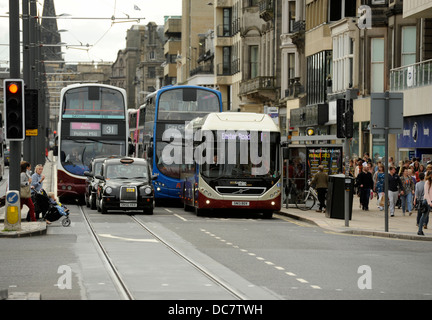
pixel 31 109
pixel 340 118
pixel 310 131
pixel 14 109
pixel 349 119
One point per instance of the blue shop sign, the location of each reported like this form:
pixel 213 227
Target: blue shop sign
pixel 416 133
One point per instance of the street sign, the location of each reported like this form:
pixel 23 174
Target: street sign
pixel 12 221
pixel 395 113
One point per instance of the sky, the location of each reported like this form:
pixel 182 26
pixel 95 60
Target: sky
pixel 104 38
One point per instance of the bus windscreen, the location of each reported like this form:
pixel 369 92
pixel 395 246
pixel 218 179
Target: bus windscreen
pixel 93 103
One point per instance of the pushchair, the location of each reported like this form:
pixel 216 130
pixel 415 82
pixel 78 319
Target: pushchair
pixel 50 211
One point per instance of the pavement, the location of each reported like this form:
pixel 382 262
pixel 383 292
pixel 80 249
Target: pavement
pixel 367 223
pixel 28 228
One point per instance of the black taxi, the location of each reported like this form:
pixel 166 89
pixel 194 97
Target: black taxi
pixel 92 182
pixel 125 185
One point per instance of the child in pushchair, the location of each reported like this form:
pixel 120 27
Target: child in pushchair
pixel 50 209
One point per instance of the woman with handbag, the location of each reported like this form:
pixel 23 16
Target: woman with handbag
pixel 427 202
pixel 25 193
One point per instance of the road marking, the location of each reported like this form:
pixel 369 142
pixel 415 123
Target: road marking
pixel 180 217
pixel 128 239
pixel 168 210
pixel 301 280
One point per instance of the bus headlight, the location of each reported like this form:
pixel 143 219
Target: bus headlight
pixel 108 190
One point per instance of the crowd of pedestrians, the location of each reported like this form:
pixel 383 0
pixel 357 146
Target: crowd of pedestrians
pixel 409 186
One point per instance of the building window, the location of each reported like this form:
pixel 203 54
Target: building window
pixel 377 65
pixel 343 57
pixel 408 45
pixel 226 60
pixel 254 61
pixel 291 65
pixel 152 72
pixel 340 9
pixel 319 66
pixel 291 15
pixel 227 22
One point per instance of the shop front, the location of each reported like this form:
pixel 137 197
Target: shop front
pixel 416 139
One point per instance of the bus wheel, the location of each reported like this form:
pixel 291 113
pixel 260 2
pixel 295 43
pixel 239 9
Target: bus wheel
pixel 268 214
pixel 198 212
pixel 186 207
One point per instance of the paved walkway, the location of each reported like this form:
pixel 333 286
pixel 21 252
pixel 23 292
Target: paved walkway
pixel 27 228
pixel 370 222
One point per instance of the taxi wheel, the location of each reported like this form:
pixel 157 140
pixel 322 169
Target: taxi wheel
pixel 148 211
pixel 92 202
pixel 98 205
pixel 103 209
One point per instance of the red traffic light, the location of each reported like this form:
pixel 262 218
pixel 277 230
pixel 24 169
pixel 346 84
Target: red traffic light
pixel 13 88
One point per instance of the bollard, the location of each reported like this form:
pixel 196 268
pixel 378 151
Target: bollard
pixel 12 220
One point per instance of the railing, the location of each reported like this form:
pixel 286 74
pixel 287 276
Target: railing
pixel 266 10
pixel 205 69
pixel 411 76
pixel 224 69
pixel 258 83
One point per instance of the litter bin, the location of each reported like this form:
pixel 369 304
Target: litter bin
pixel 337 185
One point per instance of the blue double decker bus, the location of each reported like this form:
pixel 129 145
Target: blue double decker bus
pixel 167 112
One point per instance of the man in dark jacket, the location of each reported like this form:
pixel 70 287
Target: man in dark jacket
pixel 365 183
pixel 394 185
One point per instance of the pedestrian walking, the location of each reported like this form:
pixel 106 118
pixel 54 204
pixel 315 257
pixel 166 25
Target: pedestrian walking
pixel 320 181
pixel 366 184
pixel 407 192
pixel 25 193
pixel 37 178
pixel 427 203
pixel 394 185
pixel 379 178
pixel 419 199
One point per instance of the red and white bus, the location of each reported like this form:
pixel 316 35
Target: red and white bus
pixel 92 122
pixel 236 164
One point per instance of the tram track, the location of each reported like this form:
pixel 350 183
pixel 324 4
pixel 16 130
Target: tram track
pixel 114 273
pixel 121 284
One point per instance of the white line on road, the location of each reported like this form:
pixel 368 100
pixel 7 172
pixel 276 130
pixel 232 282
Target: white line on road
pixel 127 239
pixel 178 216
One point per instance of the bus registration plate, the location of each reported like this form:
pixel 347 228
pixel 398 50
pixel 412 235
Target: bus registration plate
pixel 128 205
pixel 240 203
